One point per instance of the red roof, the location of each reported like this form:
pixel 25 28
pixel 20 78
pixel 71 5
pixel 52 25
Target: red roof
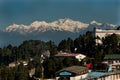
pixel 67 54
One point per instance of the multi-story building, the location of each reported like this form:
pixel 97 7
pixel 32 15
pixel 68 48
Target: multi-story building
pixel 113 60
pixel 102 33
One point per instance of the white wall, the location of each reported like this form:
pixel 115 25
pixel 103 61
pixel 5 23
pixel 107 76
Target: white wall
pixel 102 33
pixel 76 77
pixel 80 57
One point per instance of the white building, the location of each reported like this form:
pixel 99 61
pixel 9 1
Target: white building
pixel 102 33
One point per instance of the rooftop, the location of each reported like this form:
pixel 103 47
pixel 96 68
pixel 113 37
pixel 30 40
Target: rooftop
pixel 112 56
pixel 93 75
pixel 74 69
pixel 67 54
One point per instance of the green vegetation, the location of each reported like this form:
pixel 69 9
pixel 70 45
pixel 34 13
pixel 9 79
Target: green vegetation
pixel 84 44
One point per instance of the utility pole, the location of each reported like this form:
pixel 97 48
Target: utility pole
pixel 42 74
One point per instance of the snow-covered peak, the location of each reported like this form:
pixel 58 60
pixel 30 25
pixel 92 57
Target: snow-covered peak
pixel 112 25
pixel 39 23
pixel 42 26
pixel 12 27
pixel 95 22
pixel 58 25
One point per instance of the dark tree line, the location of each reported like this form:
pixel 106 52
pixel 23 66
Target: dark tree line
pixel 28 49
pixel 52 65
pixel 86 44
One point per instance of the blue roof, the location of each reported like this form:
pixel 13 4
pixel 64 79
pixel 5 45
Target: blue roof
pixel 96 75
pixel 112 56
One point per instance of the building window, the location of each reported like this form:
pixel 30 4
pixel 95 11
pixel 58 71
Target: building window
pixel 110 62
pixel 114 62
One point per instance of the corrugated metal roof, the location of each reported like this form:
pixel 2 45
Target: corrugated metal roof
pixel 97 74
pixel 112 56
pixel 93 75
pixel 74 69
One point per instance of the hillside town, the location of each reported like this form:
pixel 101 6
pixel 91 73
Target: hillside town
pixel 59 39
pixel 92 56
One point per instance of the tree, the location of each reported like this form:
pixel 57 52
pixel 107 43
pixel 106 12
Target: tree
pixel 67 62
pixel 21 73
pixel 66 45
pixel 85 44
pixel 38 71
pixel 6 74
pixel 49 68
pixel 59 64
pixel 118 28
pixel 62 45
pixel 52 48
pixel 111 43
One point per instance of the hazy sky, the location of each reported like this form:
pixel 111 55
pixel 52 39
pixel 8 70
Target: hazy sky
pixel 27 11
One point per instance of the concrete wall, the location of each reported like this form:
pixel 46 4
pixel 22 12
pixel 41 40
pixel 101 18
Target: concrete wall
pixel 80 57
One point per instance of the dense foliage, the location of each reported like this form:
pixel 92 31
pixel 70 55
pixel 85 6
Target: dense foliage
pixel 84 44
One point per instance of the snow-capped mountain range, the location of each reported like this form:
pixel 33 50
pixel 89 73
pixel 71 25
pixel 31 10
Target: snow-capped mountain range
pixel 59 25
pixel 42 26
pixel 55 31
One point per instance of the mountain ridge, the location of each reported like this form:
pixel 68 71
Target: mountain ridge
pixel 41 30
pixel 41 26
pixel 58 25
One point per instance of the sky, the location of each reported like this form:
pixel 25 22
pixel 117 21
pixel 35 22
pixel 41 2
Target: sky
pixel 27 11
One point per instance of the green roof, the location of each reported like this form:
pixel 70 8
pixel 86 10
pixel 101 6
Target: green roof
pixel 112 56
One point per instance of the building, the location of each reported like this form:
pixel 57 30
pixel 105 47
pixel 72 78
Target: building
pixel 79 57
pixel 102 33
pixel 113 60
pixel 103 76
pixel 82 73
pixel 72 73
pixel 14 64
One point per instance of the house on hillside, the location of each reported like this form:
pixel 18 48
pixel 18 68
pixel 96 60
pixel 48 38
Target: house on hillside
pixel 77 56
pixel 13 64
pixel 113 60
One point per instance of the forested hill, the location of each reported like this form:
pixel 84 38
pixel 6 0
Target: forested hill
pixel 85 44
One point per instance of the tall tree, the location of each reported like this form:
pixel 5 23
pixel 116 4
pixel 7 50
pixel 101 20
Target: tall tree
pixel 111 43
pixel 49 68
